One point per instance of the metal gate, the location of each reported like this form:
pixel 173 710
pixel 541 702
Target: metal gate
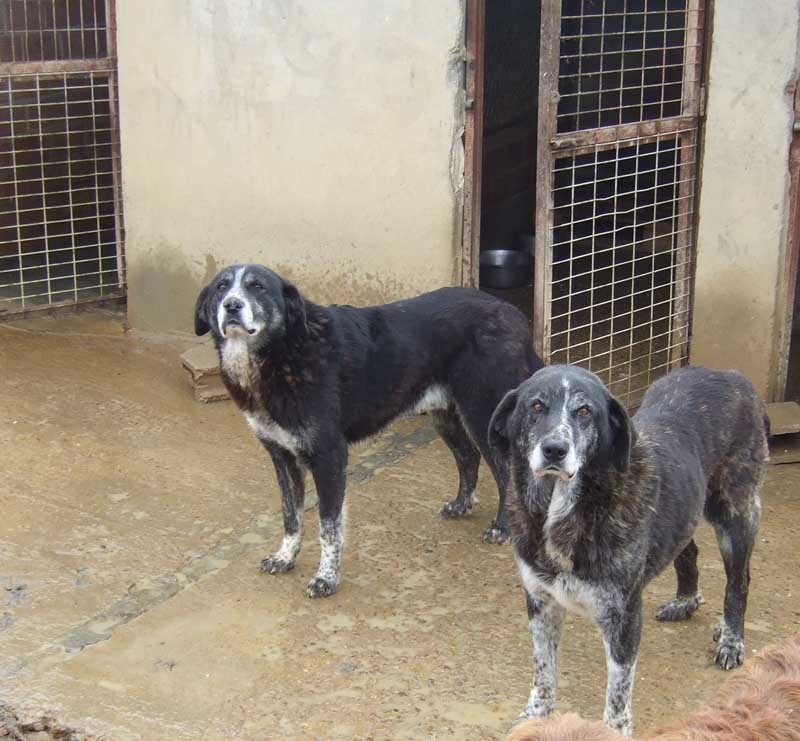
pixel 619 106
pixel 61 231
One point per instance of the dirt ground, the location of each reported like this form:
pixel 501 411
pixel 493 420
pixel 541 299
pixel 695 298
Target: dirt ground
pixel 132 522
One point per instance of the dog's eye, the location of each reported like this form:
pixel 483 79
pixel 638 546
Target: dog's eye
pixel 256 286
pixel 222 285
pixel 537 406
pixel 583 412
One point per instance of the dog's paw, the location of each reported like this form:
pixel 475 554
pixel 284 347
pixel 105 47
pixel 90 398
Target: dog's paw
pixel 274 565
pixel 730 649
pixel 681 608
pixel 319 587
pixel 496 535
pixel 534 709
pixel 458 508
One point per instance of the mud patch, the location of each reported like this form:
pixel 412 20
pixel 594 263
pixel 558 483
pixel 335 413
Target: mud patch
pixel 41 729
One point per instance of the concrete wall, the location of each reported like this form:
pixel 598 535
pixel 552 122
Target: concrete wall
pixel 744 194
pixel 320 138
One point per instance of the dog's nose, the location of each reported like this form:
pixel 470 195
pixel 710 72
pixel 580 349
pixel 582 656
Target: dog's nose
pixel 554 451
pixel 232 305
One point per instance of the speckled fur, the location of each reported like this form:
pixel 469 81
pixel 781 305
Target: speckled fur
pixel 311 380
pixel 697 446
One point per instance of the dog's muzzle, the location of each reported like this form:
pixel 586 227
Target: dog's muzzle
pixel 554 457
pixel 233 317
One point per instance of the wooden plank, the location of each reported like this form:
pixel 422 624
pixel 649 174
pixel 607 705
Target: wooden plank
pixel 201 361
pixel 788 284
pixel 784 418
pixel 586 141
pixel 57 67
pixel 785 449
pixel 545 164
pixel 473 143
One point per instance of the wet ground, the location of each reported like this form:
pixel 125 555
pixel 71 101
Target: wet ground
pixel 132 522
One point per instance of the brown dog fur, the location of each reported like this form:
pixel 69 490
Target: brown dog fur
pixel 761 704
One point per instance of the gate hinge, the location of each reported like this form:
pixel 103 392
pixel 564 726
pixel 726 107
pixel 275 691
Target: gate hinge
pixel 701 102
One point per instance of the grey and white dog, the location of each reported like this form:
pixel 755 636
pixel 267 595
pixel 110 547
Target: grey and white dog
pixel 602 503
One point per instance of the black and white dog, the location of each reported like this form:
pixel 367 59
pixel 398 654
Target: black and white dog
pixel 311 379
pixel 602 503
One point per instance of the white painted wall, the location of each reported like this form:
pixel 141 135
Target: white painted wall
pixel 320 138
pixel 744 194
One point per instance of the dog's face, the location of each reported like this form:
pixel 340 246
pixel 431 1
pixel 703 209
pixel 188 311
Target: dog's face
pixel 562 420
pixel 249 302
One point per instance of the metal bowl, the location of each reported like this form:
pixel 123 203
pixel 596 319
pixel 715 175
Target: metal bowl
pixel 505 268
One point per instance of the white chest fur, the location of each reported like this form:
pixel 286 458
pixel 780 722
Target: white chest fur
pixel 569 591
pixel 267 430
pixel 236 361
pixel 434 398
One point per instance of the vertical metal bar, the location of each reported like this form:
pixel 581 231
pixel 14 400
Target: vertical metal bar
pixel 679 336
pixel 692 58
pixel 25 31
pixel 96 31
pixel 42 55
pixel 473 142
pixel 545 166
pixel 56 51
pixel 69 189
pixel 44 190
pixel 69 32
pixel 16 189
pixel 83 29
pixel 96 165
pixel 12 34
pixel 116 154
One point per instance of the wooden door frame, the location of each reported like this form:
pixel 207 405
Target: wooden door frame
pixel 787 285
pixel 474 36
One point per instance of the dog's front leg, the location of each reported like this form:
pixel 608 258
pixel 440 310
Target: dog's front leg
pixel 328 468
pixel 291 479
pixel 621 624
pixel 545 618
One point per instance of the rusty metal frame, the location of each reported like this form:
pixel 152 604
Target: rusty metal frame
pixel 473 141
pixel 116 149
pixel 688 217
pixel 708 31
pixel 548 105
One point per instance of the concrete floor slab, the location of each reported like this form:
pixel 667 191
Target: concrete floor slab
pixel 134 518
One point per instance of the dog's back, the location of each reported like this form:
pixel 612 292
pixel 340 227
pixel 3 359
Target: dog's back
pixel 715 414
pixel 707 435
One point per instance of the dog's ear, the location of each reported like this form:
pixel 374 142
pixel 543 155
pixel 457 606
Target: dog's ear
pixel 295 309
pixel 499 432
pixel 201 325
pixel 623 436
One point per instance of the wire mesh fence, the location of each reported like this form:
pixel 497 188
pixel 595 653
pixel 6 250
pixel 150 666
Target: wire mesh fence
pixel 622 223
pixel 620 189
pixel 43 30
pixel 61 233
